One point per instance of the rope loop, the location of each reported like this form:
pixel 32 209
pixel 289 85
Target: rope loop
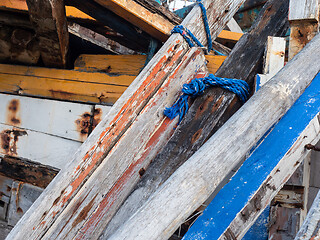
pixel 197 86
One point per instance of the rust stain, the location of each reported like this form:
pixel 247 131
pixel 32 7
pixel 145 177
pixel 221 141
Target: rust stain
pixel 9 139
pixel 196 136
pixel 13 111
pixel 83 125
pixel 83 214
pixel 97 115
pixel 204 106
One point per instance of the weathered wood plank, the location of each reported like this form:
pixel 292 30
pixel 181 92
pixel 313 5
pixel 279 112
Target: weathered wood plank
pixel 252 188
pixel 311 224
pixel 27 171
pixel 304 9
pixel 63 84
pixel 230 36
pixel 39 147
pixel 68 182
pixel 98 39
pixel 22 197
pixel 208 112
pixel 194 181
pixel 50 23
pixel 234 26
pixel 273 60
pixel 62 119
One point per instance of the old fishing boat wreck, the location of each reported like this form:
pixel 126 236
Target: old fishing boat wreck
pixel 121 119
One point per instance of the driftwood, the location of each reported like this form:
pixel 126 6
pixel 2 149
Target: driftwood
pixel 195 180
pixel 209 111
pixel 68 182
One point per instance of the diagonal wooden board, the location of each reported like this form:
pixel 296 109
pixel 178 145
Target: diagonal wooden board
pixel 67 183
pixel 209 111
pixel 243 199
pixel 196 179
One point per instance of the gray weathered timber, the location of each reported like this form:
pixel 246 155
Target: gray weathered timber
pixel 304 9
pixel 312 221
pixel 195 180
pixel 209 111
pixel 82 164
pixel 50 23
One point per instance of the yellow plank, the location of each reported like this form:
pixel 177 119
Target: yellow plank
pixel 21 6
pixel 231 36
pixel 214 62
pixel 63 84
pixel 128 64
pixel 113 64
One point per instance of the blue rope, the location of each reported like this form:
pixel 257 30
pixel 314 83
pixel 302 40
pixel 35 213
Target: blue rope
pixel 197 86
pixel 206 24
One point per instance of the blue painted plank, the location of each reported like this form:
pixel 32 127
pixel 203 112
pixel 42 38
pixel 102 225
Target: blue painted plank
pixel 234 196
pixel 259 229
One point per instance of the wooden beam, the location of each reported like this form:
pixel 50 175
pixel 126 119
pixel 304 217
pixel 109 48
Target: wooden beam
pixel 194 181
pixel 63 84
pixel 237 206
pixel 234 26
pixel 27 171
pixel 50 23
pixel 98 39
pixel 121 117
pixel 209 111
pixel 304 10
pixel 312 222
pixel 230 36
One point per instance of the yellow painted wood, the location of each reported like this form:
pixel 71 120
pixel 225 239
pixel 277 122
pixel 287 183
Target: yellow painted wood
pixel 63 84
pixel 214 62
pixel 114 64
pixel 128 64
pixel 21 5
pixel 231 36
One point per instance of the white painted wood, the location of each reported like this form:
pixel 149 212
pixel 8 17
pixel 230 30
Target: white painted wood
pixel 22 197
pixel 304 10
pixel 273 61
pixel 234 26
pixel 311 222
pixel 36 146
pixel 98 39
pixel 142 138
pixel 52 117
pixel 195 181
pixel 80 166
pixel 274 181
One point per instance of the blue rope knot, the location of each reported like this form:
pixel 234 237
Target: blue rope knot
pixel 197 86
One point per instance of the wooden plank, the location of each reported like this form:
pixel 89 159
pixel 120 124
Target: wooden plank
pixel 62 119
pixel 230 36
pixel 118 183
pixel 63 84
pixel 128 64
pixel 68 182
pixel 5 193
pixel 153 23
pixel 191 184
pixel 234 26
pixel 252 188
pixel 311 224
pixel 39 147
pixel 18 46
pixel 22 197
pixel 304 9
pixel 98 39
pixel 208 112
pixel 27 171
pixel 274 60
pixel 50 23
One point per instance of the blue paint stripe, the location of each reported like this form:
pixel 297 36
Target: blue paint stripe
pixel 233 197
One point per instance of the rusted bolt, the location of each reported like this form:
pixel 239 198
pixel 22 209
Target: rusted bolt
pixel 312 147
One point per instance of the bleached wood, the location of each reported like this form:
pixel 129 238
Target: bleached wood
pixel 36 146
pixel 273 183
pixel 56 118
pixel 304 10
pixel 98 39
pixel 194 181
pixel 234 26
pixel 68 182
pixel 312 221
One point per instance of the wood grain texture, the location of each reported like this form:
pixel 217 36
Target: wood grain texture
pixel 50 23
pixel 237 206
pixel 195 180
pixel 304 10
pixel 208 112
